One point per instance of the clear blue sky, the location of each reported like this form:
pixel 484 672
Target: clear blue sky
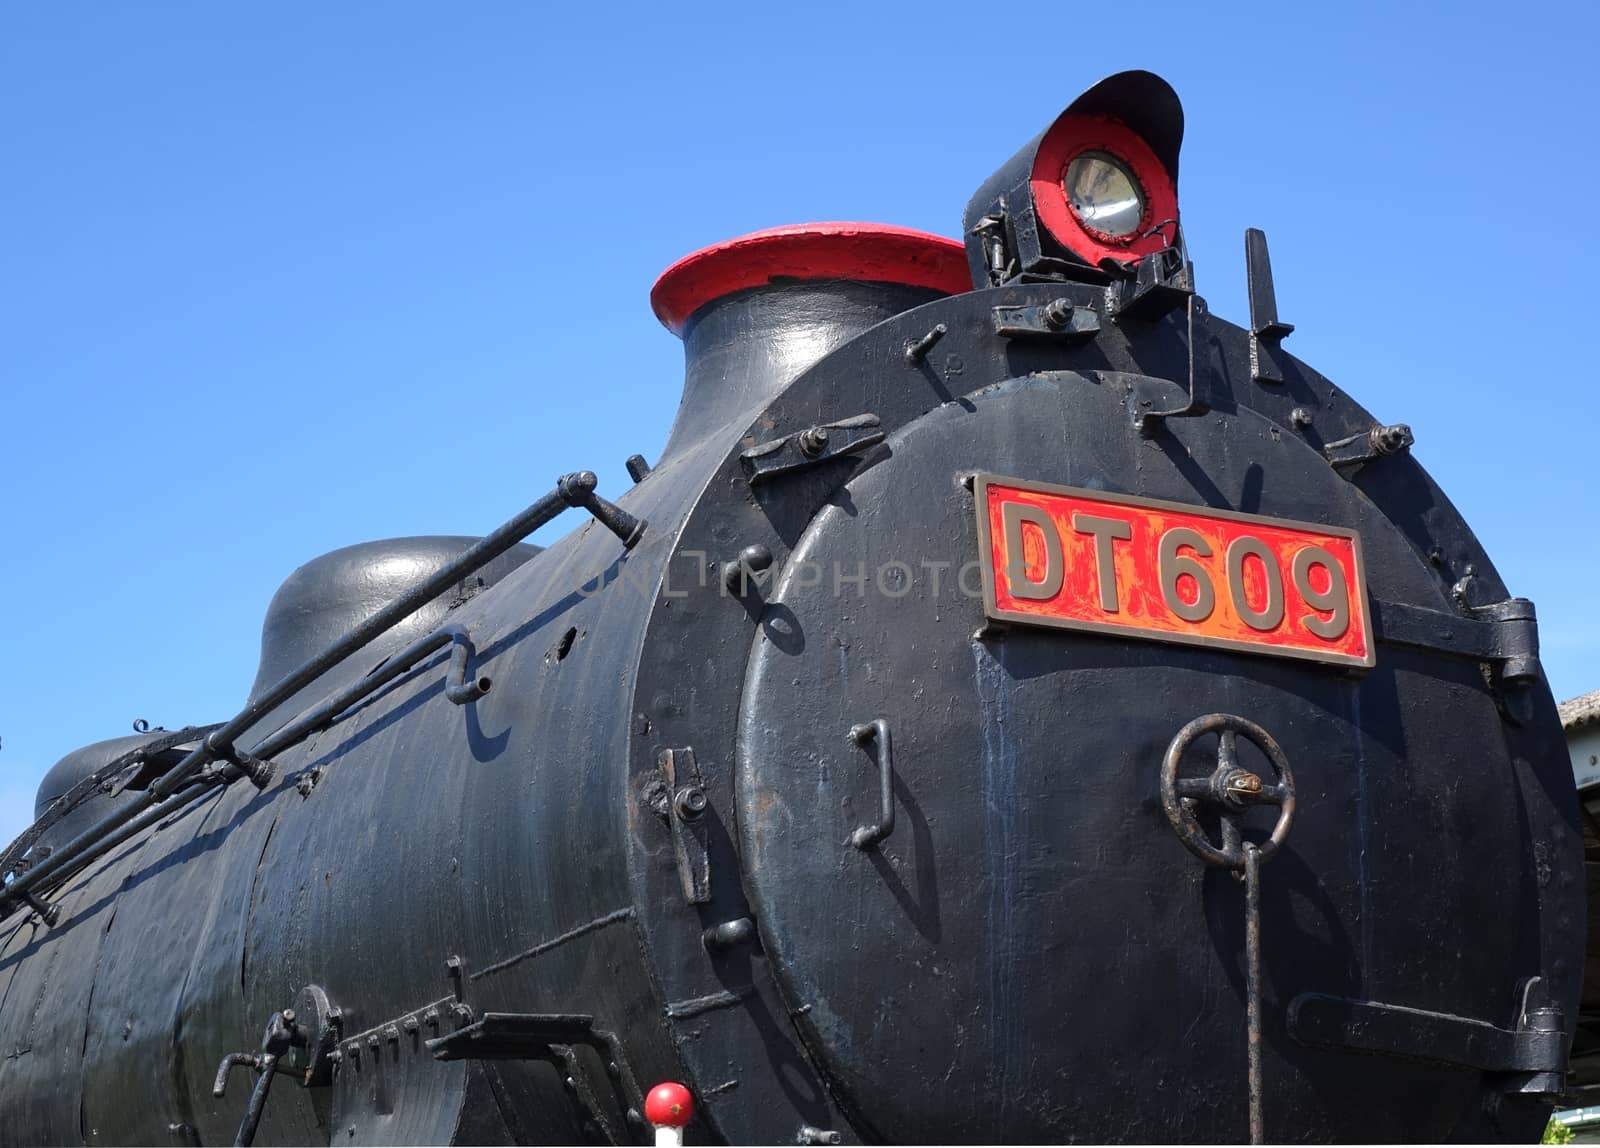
pixel 279 277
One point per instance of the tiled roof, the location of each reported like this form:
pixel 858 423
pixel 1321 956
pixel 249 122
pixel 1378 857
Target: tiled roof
pixel 1580 711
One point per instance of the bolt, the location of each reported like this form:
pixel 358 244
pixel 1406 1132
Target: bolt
pixel 810 1135
pixel 1057 313
pixel 1300 417
pixel 1242 781
pixel 690 802
pixel 813 442
pixel 288 1016
pixel 918 350
pixel 752 560
pixel 1391 439
pixel 729 933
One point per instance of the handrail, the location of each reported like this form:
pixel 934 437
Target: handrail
pixel 572 490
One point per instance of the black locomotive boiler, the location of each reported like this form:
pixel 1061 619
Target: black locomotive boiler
pixel 1017 705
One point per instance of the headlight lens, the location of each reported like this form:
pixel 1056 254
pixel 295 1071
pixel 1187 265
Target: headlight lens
pixel 1104 195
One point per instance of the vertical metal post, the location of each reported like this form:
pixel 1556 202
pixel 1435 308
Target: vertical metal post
pixel 1252 979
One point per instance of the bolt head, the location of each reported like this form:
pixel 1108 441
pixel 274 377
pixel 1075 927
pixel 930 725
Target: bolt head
pixel 690 801
pixel 813 441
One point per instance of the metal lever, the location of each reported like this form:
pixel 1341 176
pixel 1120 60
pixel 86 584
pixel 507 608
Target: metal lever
pixel 1231 791
pixel 1266 329
pixel 867 836
pixel 282 1035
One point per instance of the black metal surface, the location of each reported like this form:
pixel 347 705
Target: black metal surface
pixel 759 799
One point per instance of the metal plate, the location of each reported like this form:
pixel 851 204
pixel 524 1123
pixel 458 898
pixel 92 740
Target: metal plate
pixel 1030 937
pixel 1085 560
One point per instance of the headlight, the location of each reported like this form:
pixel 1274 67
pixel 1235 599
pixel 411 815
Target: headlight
pixel 1104 194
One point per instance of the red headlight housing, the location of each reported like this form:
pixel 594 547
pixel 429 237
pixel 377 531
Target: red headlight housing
pixel 1090 197
pixel 1122 157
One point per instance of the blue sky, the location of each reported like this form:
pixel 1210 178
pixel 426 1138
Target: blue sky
pixel 281 277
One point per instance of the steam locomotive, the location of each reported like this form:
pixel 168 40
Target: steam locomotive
pixel 1017 705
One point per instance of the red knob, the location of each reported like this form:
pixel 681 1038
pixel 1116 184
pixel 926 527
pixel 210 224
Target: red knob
pixel 669 1104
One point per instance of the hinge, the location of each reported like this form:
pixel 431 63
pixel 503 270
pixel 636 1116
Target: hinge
pixel 1057 321
pixel 812 446
pixel 686 805
pixel 1506 632
pixel 1534 1051
pixel 1375 442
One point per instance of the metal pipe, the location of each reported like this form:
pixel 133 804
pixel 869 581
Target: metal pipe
pixel 577 489
pixel 462 686
pixel 323 713
pixel 219 1086
pixel 268 1065
pixel 1252 981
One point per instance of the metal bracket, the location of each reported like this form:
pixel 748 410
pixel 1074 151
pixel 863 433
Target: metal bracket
pixel 1506 632
pixel 1148 421
pixel 553 1037
pixel 1161 282
pixel 433 1016
pixel 1375 442
pixel 811 446
pixel 1536 1046
pixel 1266 331
pixel 686 807
pixel 1058 321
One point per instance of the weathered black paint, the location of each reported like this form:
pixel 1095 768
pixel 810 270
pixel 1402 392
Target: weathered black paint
pixel 665 841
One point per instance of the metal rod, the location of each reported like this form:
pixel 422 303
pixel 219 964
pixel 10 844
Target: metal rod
pixel 1252 981
pixel 219 1087
pixel 577 489
pixel 867 836
pixel 258 1101
pixel 322 714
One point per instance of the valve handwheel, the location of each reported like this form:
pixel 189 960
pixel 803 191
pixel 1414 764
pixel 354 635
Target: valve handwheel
pixel 1229 788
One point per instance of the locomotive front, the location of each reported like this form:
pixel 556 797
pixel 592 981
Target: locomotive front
pixel 1017 706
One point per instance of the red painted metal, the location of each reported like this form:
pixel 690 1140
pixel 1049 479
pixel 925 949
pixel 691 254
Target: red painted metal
pixel 864 252
pixel 1141 606
pixel 1071 136
pixel 669 1104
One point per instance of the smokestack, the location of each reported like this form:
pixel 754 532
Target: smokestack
pixel 758 310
